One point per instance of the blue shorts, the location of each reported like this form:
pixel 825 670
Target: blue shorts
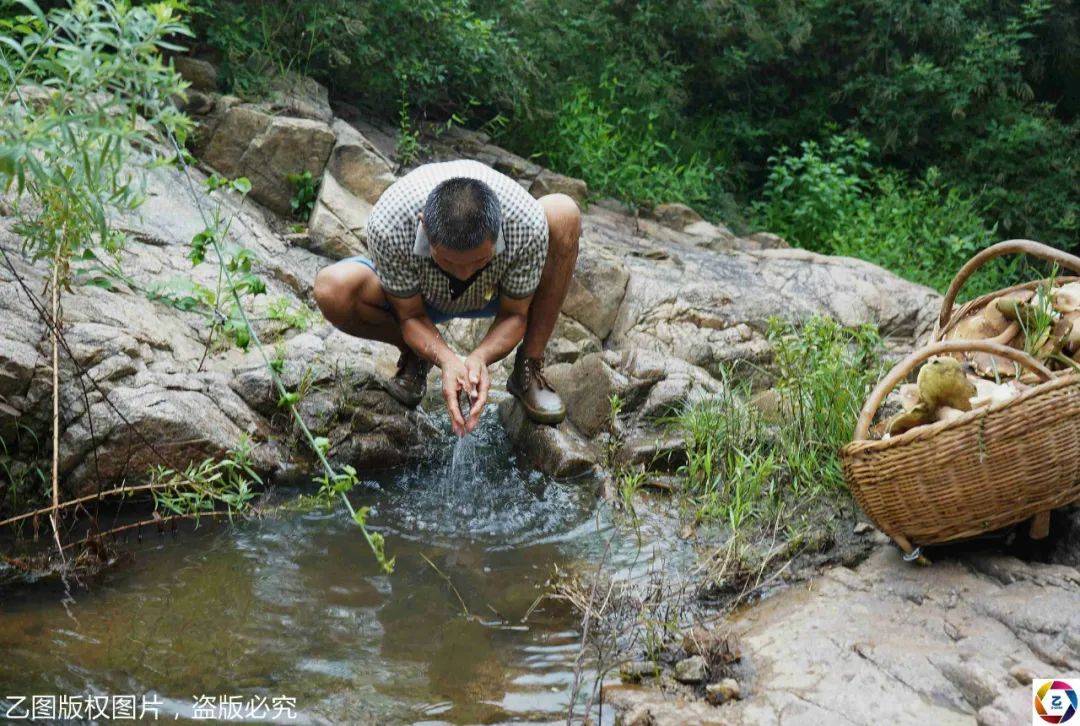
pixel 434 314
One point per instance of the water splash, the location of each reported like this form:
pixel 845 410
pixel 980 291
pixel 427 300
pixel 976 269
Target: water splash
pixel 464 460
pixel 472 487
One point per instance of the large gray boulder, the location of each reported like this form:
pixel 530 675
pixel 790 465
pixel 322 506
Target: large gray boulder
pixel 267 149
pixel 293 94
pixel 355 177
pixel 286 147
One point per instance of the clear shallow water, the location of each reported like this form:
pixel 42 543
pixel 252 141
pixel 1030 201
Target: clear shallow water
pixel 294 605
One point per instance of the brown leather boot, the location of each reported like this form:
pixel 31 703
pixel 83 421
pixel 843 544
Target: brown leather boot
pixel 528 384
pixel 409 383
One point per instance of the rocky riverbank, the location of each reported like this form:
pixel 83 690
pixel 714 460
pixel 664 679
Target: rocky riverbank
pixel 657 306
pixel 660 305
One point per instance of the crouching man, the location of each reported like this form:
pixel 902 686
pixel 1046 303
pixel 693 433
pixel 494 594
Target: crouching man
pixel 460 240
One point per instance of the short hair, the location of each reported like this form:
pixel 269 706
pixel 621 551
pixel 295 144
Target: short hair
pixel 461 214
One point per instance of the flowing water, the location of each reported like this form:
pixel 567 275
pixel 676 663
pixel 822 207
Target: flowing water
pixel 293 605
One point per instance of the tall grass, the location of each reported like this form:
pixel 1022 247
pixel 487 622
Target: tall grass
pixel 745 459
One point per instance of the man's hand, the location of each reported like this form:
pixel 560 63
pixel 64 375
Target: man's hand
pixel 479 378
pixel 455 378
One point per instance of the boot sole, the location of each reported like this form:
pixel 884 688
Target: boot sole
pixel 540 417
pixel 401 397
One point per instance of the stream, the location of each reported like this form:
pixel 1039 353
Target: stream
pixel 294 605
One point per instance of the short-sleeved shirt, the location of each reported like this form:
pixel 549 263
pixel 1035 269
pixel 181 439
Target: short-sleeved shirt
pixel 402 254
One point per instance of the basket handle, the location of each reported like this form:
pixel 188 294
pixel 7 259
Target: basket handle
pixel 904 367
pixel 1013 246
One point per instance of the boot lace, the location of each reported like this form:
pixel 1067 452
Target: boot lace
pixel 534 369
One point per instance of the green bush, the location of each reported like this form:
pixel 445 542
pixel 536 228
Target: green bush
pixel 654 101
pixel 832 199
pixel 444 54
pixel 622 150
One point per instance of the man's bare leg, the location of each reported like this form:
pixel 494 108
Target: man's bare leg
pixel 351 297
pixel 564 231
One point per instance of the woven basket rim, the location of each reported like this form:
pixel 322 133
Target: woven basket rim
pixel 967 308
pixel 854 448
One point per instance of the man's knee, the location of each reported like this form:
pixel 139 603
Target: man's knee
pixel 564 223
pixel 334 289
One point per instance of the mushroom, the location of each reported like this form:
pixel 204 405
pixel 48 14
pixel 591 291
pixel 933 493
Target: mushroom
pixel 1067 298
pixel 942 383
pixel 947 413
pixel 907 420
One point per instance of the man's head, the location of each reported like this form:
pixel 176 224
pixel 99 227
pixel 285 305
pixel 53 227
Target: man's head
pixel 462 218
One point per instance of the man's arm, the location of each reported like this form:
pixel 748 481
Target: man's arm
pixel 423 337
pixel 506 331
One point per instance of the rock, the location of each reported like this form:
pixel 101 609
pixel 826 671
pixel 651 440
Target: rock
pixel 587 387
pixel 596 290
pixel 1021 675
pixel 197 103
pixel 642 706
pixel 202 75
pixel 570 341
pixel 548 182
pixel 292 94
pixel 767 241
pixel 723 691
pixel 231 136
pixel 207 123
pixel 338 220
pixel 769 404
pixel 668 397
pixel 675 215
pixel 687 306
pixel 357 165
pixel 457 142
pixel 691 670
pixel 267 150
pixel 654 452
pixel 151 404
pixel 636 670
pixel 355 177
pixel 556 450
pixel 287 146
pixel 711 236
pixel 860 632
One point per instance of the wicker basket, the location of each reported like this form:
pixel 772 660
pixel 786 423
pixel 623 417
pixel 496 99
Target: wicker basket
pixel 990 468
pixel 947 320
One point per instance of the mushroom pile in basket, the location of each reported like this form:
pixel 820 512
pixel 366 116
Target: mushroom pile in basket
pixel 988 434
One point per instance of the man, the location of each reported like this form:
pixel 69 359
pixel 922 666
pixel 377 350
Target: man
pixel 458 239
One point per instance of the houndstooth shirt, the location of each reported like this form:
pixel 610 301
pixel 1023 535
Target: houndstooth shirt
pixel 402 254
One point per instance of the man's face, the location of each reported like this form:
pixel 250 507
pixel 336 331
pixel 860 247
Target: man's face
pixel 463 264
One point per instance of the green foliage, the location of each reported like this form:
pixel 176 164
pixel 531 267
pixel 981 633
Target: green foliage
pixel 622 149
pixel 832 199
pixel 658 101
pixel 743 463
pixel 23 468
pixel 306 190
pixel 444 53
pixel 204 486
pixel 84 93
pixel 219 304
